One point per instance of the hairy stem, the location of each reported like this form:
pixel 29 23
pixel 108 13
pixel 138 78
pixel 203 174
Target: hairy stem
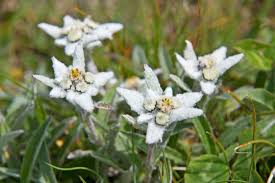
pixel 92 131
pixel 89 62
pixel 149 163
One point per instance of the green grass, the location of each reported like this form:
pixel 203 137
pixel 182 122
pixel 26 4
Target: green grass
pixel 199 150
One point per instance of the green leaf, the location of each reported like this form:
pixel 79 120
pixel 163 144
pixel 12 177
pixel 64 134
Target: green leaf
pixel 76 168
pixel 203 127
pixel 166 169
pixel 46 171
pixel 164 62
pixel 262 97
pixel 207 169
pixel 179 82
pixel 82 180
pixel 257 60
pixel 39 111
pixel 9 172
pixel 271 83
pixel 57 131
pixel 69 140
pixel 138 56
pixel 173 154
pixel 106 160
pixel 9 136
pixel 107 99
pixel 32 152
pixel 251 44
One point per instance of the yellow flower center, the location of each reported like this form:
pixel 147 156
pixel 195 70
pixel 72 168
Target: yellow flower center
pixel 209 70
pixel 75 74
pixel 165 104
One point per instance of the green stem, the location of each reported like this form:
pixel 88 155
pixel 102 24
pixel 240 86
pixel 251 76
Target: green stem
pixel 253 158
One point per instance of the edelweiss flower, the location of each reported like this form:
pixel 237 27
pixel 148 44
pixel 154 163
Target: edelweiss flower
pixel 208 68
pixel 73 31
pixel 73 82
pixel 160 108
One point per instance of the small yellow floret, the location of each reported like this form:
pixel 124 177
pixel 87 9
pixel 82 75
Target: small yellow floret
pixel 165 104
pixel 75 74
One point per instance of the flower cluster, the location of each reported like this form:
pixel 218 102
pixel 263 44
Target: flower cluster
pixel 73 82
pixel 74 31
pixel 160 108
pixel 155 107
pixel 208 68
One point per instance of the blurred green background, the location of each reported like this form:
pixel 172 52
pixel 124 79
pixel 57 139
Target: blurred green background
pixel 149 24
pixel 153 31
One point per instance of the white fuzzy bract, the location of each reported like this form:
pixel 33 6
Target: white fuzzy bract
pixel 74 31
pixel 208 68
pixel 159 108
pixel 73 82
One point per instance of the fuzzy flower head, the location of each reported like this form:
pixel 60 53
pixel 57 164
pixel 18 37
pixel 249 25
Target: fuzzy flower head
pixel 74 31
pixel 73 82
pixel 208 68
pixel 159 108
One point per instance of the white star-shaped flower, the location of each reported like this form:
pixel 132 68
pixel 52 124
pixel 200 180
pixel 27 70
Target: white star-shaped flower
pixel 73 82
pixel 74 31
pixel 208 68
pixel 160 108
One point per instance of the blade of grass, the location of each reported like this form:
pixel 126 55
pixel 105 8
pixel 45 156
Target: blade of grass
pixel 75 168
pixel 32 152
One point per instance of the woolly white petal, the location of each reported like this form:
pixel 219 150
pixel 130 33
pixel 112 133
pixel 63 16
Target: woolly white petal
pixel 91 66
pixel 92 90
pixel 51 30
pixel 69 48
pixel 189 99
pixel 57 92
pixel 102 34
pixel 85 102
pixel 71 95
pixel 88 38
pixel 78 58
pixel 133 98
pixel 189 66
pixel 45 80
pixel 168 92
pixel 219 54
pixel 150 94
pixel 154 133
pixel 59 68
pixel 229 62
pixel 151 80
pixel 102 78
pixel 144 118
pixel 184 113
pixel 111 27
pixel 189 53
pixel 93 44
pixel 208 87
pixel 68 20
pixel 130 119
pixel 61 41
